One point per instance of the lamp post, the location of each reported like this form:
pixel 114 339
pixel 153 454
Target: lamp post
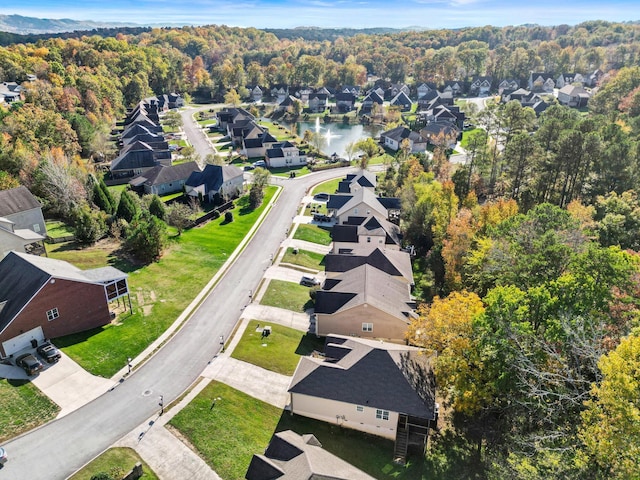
pixel 161 404
pixel 129 364
pixel 222 342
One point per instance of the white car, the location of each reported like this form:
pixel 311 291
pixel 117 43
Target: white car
pixel 3 456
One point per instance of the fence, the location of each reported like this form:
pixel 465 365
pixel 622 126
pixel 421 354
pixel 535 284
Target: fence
pixel 215 213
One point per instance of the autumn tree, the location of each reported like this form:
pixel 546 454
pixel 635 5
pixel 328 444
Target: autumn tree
pixel 258 184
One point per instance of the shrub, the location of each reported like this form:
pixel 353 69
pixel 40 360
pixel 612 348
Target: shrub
pixel 228 216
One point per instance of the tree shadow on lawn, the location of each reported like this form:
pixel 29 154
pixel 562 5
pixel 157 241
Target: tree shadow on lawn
pixel 243 206
pixel 74 338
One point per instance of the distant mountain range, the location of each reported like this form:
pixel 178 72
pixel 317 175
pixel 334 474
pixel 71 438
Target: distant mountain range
pixel 30 25
pixel 19 25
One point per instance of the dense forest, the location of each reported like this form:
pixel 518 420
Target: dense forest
pixel 526 255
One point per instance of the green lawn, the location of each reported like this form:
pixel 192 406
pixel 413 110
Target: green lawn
pixel 330 186
pixel 383 159
pixel 57 228
pixel 282 351
pixel 117 462
pixel 304 258
pixel 227 427
pixel 313 233
pixel 316 207
pixel 289 295
pixel 171 196
pixel 159 292
pixel 285 171
pixel 216 423
pixel 465 137
pixel 22 408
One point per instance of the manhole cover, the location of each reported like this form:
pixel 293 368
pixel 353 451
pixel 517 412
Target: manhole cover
pixel 146 393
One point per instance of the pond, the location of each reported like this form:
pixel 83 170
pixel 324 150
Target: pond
pixel 336 136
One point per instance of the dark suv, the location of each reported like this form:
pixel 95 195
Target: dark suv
pixel 50 353
pixel 29 363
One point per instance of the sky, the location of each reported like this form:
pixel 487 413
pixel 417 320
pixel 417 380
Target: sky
pixel 332 14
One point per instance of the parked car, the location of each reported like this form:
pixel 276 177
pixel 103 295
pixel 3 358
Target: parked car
pixel 29 363
pixel 3 456
pixel 249 167
pixel 50 353
pixel 260 163
pixel 321 197
pixel 309 281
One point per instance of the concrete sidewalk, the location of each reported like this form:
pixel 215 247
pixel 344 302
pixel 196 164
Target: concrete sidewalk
pixel 279 316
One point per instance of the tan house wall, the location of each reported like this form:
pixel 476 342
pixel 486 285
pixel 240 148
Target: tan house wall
pixel 9 241
pixel 363 210
pixel 81 306
pixel 344 414
pixel 349 322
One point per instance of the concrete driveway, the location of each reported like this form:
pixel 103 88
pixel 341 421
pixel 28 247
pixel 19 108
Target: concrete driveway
pixel 70 386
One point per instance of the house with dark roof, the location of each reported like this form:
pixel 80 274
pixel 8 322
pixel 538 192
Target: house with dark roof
pixel 164 179
pixel 379 388
pixel 279 92
pixel 287 102
pixel 508 84
pixel 565 79
pixel 255 94
pixel 257 143
pixel 136 158
pixel 424 88
pixel 453 87
pixel 225 181
pixel 22 209
pixel 318 102
pixel 355 181
pixel 10 92
pixel 290 456
pixel 402 101
pixel 284 154
pixel 437 133
pixel 46 298
pixel 345 101
pixel 367 103
pixel 362 203
pixel 541 82
pixel 365 234
pixel 364 302
pixel 392 139
pixel 393 262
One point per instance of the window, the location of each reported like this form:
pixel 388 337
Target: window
pixel 359 408
pixel 52 314
pixel 355 211
pixel 382 414
pixel 36 227
pixel 367 327
pixel 368 239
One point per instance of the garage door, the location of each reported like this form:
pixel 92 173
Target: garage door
pixel 22 341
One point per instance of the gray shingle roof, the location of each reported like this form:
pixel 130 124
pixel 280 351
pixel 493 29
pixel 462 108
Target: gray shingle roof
pixel 392 262
pixel 387 376
pixel 22 275
pixel 15 200
pixel 165 174
pixel 213 176
pixel 290 456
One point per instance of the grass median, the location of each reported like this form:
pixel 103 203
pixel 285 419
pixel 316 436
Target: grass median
pixel 115 462
pixel 159 291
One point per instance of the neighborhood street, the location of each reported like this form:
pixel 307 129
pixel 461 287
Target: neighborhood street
pixel 59 448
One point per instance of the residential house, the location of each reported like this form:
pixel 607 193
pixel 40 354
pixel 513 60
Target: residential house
pixel 541 82
pixel 22 209
pixel 279 92
pixel 290 456
pixel 392 139
pixel 303 94
pixel 396 263
pixel 508 84
pixel 46 298
pixel 573 96
pixel 402 101
pixel 170 101
pixel 454 87
pixel 363 202
pixel 318 102
pixel 481 86
pixel 345 102
pixel 224 181
pixel 19 239
pixel 364 302
pixel 255 94
pixel 394 89
pixel 368 102
pixel 230 115
pixel 256 144
pixel 424 88
pixel 284 154
pixel 355 181
pixel 593 79
pixel 365 234
pixel 441 133
pixel 10 92
pixel 164 179
pixel 352 89
pixel 379 388
pixel 565 79
pixel 136 158
pixel 287 102
pixel 244 128
pixel 540 107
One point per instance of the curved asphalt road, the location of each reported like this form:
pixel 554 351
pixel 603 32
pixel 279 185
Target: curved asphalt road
pixel 59 448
